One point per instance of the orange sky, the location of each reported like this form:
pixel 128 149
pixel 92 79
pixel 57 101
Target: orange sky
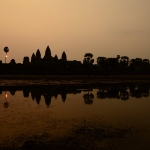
pixel 101 27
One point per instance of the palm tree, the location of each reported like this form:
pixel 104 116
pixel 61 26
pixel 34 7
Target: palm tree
pixel 6 50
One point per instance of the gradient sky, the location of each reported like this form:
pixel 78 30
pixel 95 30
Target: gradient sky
pixel 102 27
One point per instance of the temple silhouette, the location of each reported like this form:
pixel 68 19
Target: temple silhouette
pixel 54 66
pixel 37 65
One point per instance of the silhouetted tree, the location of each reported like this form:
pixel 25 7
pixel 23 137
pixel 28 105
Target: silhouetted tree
pixel 124 62
pixel 132 65
pixel 136 65
pixel 112 64
pixel 118 57
pixel 6 50
pixel 138 62
pixel 101 61
pixel 145 65
pixel 88 61
pixel 145 61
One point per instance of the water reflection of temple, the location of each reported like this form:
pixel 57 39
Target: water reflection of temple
pixel 122 92
pixel 48 93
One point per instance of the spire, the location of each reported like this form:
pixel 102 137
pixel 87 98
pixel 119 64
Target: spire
pixel 38 54
pixel 56 58
pixel 33 58
pixel 64 57
pixel 47 53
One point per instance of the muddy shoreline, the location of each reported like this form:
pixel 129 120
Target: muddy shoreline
pixel 50 80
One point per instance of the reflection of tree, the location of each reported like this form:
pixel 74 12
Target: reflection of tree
pixel 108 93
pixel 88 98
pixel 124 95
pixel 113 93
pixel 135 92
pixel 101 94
pixel 6 104
pixel 146 93
pixel 138 93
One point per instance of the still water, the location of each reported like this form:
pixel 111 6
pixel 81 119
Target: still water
pixel 106 117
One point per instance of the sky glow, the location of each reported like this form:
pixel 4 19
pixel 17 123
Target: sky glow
pixel 102 27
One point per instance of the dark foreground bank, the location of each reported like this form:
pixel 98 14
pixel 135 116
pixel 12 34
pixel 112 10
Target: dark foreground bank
pixel 35 80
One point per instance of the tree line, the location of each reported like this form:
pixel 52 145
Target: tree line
pixel 118 65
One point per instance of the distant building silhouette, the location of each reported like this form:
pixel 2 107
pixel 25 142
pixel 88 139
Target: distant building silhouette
pixel 38 58
pixel 33 59
pixel 47 55
pixel 26 61
pixel 64 57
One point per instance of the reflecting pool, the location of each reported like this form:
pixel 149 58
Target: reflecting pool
pixel 65 117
